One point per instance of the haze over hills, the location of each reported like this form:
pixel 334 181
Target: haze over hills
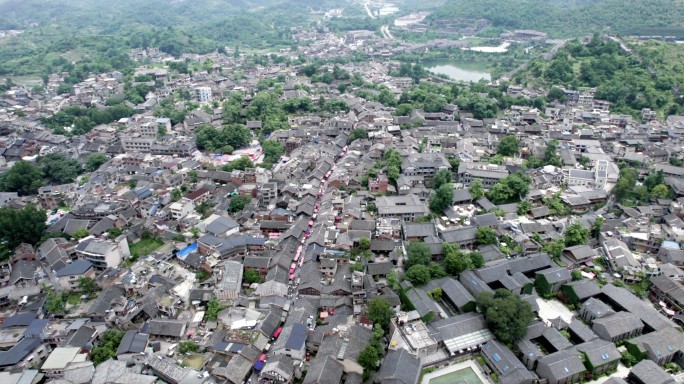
pixel 563 18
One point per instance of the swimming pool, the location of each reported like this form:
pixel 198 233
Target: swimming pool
pixel 462 376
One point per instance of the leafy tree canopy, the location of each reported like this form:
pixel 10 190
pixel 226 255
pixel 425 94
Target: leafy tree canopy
pixel 25 225
pixel 380 312
pixel 508 145
pixel 506 314
pixel 58 169
pixel 23 178
pixel 576 234
pixel 417 253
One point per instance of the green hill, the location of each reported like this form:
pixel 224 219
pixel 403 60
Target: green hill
pixel 574 18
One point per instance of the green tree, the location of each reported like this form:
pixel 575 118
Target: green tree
pixel 213 309
pixel 201 275
pixel 557 94
pixel 476 189
pixel 554 248
pixel 132 183
pixel 273 150
pixel 660 191
pixel 523 207
pixel 369 358
pixel 455 261
pixel 442 198
pixel 115 232
pixel 187 346
pixel 576 234
pixel 404 110
pixel 86 284
pixel 596 227
pixel 628 359
pixel 209 138
pixel 380 312
pixel 357 134
pixel 64 89
pixel 58 169
pixel 576 275
pixel 25 225
pixel 80 233
pixel 441 177
pixel 23 178
pixel 654 179
pixel 551 154
pixel 436 270
pixel 364 243
pixel 54 303
pixel 240 164
pixel 176 194
pixel 238 203
pixel 436 294
pixel 95 161
pixel 251 276
pixel 485 236
pixel 418 274
pixel 393 280
pixel 625 184
pixel 506 314
pixel 106 348
pixel 508 145
pixel 417 253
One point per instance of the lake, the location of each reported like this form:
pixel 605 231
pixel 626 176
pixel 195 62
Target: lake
pixel 459 71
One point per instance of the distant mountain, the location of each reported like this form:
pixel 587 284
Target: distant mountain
pixel 110 15
pixel 579 17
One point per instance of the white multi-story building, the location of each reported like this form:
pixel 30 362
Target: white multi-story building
pixel 203 94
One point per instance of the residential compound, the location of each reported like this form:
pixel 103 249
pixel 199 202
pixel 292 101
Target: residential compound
pixel 215 269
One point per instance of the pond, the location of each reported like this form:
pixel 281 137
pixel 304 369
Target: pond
pixel 459 71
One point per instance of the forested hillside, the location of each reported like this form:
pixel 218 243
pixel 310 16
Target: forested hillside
pixel 102 29
pixel 649 77
pixel 579 17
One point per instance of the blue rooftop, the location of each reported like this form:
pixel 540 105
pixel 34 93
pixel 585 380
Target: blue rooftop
pixel 187 250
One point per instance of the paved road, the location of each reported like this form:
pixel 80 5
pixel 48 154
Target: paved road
pixel 386 32
pixel 368 11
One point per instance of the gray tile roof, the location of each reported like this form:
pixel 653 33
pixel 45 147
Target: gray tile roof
pixel 399 367
pixel 104 300
pixel 452 290
pixel 649 372
pixel 133 342
pixel 81 337
pixel 627 301
pixel 584 289
pixel 616 325
pixel 473 283
pixel 504 362
pixel 599 352
pixel 162 327
pixel 555 275
pixel 560 365
pixel 460 235
pixel 581 331
pixel 76 268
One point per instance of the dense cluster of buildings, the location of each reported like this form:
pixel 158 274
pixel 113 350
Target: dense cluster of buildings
pixel 293 303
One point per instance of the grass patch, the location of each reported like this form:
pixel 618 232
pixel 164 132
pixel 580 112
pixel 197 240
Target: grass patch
pixel 74 298
pixel 145 246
